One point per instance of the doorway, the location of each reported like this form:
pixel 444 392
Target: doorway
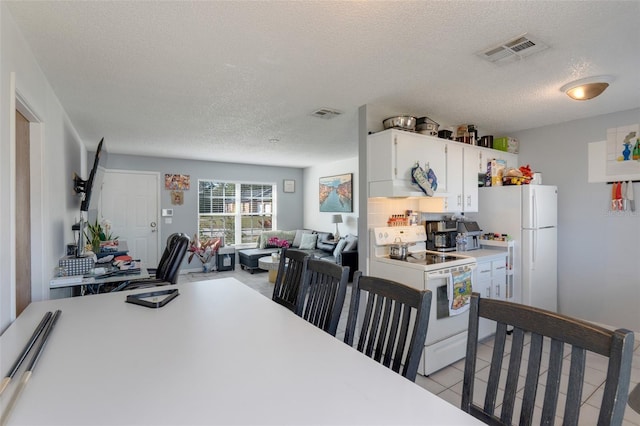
pixel 130 201
pixel 23 214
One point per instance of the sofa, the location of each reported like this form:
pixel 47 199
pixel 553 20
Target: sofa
pixel 321 245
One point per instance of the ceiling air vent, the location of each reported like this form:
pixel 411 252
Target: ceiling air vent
pixel 326 113
pixel 513 50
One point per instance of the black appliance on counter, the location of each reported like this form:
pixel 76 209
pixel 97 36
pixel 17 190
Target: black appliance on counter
pixel 441 235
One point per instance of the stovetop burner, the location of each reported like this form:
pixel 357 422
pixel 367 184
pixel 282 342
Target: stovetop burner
pixel 430 259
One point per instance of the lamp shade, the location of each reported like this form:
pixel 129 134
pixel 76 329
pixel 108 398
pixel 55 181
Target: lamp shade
pixel 587 88
pixel 337 218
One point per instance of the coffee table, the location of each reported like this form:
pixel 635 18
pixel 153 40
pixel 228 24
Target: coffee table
pixel 270 264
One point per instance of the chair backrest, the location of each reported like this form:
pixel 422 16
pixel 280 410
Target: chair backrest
pixel 321 297
pixel 177 250
pixel 164 259
pixel 388 323
pixel 289 278
pixel 556 331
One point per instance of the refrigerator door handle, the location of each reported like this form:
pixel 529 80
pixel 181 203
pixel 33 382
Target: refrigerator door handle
pixel 534 210
pixel 534 246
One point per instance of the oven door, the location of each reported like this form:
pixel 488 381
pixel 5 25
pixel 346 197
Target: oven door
pixel 441 323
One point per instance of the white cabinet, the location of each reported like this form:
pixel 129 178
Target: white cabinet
pixel 461 191
pixel 494 274
pixel 392 154
pixel 491 277
pixel 487 154
pixel 491 280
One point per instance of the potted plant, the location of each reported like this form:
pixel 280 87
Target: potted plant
pixel 204 250
pixel 279 243
pixel 99 232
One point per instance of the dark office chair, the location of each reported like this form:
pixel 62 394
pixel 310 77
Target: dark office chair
pixel 163 271
pixel 289 278
pixel 168 268
pixel 387 324
pixel 557 331
pixel 322 294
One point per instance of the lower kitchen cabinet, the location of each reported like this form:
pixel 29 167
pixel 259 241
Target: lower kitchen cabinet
pixel 494 279
pixel 491 277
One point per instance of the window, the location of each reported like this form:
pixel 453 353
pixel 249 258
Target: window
pixel 237 211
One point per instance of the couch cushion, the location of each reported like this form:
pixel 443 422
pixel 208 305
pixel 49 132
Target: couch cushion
pixel 320 254
pixel 298 238
pixel 339 247
pixel 322 243
pixel 308 241
pixel 323 236
pixel 352 243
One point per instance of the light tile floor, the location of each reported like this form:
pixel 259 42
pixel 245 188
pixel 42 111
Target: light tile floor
pixel 447 383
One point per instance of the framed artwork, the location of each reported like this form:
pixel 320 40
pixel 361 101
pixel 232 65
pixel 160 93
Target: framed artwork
pixel 177 198
pixel 336 193
pixel 173 182
pixel 289 185
pixel 623 151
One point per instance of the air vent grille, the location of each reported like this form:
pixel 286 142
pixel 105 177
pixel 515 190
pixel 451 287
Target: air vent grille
pixel 326 113
pixel 513 50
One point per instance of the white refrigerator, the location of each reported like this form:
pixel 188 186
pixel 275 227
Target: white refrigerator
pixel 529 214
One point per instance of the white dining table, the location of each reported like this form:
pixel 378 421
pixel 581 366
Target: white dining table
pixel 218 354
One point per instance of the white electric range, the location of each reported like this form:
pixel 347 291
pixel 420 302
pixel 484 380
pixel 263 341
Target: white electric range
pixel 431 270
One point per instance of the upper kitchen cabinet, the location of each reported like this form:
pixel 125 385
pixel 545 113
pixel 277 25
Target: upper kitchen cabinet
pixel 488 154
pixel 391 154
pixel 463 165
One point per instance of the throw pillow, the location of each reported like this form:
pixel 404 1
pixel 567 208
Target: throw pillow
pixel 339 247
pixel 298 238
pixel 308 241
pixel 352 243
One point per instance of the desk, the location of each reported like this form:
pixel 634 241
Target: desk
pixel 219 353
pixel 89 280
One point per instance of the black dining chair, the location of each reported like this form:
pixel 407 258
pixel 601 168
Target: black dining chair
pixel 556 332
pixel 168 268
pixel 321 298
pixel 289 278
pixel 394 326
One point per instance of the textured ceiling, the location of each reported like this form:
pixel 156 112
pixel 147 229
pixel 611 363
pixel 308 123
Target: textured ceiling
pixel 219 80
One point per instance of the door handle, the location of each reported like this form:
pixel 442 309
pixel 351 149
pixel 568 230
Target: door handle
pixel 153 226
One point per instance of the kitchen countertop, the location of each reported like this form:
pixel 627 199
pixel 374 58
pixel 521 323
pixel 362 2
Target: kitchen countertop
pixel 484 253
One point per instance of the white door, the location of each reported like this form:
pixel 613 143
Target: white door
pixel 130 201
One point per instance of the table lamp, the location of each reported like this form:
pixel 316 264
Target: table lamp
pixel 337 218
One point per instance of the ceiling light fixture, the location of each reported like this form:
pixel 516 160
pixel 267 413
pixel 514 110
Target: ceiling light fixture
pixel 587 88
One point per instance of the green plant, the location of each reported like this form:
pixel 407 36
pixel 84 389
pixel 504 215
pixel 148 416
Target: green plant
pixel 99 231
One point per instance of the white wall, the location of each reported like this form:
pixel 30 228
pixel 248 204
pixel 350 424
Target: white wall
pixel 58 154
pixel 321 221
pixel 598 251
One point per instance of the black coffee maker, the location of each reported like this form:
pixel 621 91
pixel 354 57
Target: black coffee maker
pixel 441 235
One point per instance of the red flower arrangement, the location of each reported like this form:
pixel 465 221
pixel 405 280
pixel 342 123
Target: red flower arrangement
pixel 204 250
pixel 277 242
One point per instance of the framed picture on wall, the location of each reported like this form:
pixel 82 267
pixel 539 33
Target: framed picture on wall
pixel 289 185
pixel 336 193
